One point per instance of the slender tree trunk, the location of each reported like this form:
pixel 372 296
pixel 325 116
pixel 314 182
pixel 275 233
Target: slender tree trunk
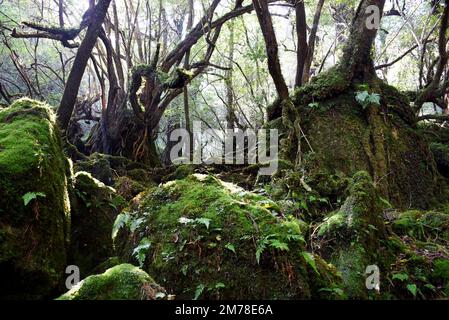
pixel 186 90
pixel 230 112
pixel 79 64
pixel 301 31
pixel 357 60
pixel 311 42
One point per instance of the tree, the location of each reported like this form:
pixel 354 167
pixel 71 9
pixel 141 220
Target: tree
pixel 95 19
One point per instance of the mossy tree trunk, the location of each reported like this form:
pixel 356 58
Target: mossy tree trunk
pixel 357 62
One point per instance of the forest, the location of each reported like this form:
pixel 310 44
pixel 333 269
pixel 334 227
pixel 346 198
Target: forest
pixel 224 149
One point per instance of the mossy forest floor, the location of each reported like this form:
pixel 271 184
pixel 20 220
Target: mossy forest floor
pixel 221 232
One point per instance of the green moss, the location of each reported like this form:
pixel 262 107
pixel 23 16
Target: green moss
pixel 422 225
pixel 94 209
pixel 203 233
pixel 324 86
pixel 349 238
pixel 99 166
pixel 122 282
pixel 381 140
pixel 181 172
pixel 128 188
pixel 34 237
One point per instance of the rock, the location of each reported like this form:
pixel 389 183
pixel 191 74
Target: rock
pixel 128 188
pixel 382 140
pixel 205 238
pixel 98 166
pixel 94 209
pixel 421 225
pixel 107 168
pixel 34 203
pixel 351 237
pixel 122 282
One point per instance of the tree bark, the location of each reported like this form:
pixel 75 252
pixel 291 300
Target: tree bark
pixel 311 42
pixel 357 60
pixel 79 64
pixel 303 48
pixel 274 67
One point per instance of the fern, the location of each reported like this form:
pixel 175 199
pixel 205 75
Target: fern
pixel 31 196
pixel 122 220
pixel 140 251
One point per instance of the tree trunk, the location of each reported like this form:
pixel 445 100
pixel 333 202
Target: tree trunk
pixel 357 60
pixel 79 64
pixel 311 44
pixel 274 67
pixel 303 48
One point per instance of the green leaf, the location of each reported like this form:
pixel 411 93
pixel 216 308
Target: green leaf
pixel 386 202
pixel 277 244
pixel 199 291
pixel 361 97
pixel 121 221
pixel 140 251
pixel 230 247
pixel 374 98
pixel 184 269
pixel 203 221
pixel 412 288
pixel 31 196
pixel 310 259
pixel 220 285
pixel 260 249
pixel 135 224
pixel 400 276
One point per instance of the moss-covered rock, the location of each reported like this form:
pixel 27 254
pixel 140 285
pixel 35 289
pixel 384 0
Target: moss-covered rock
pixel 204 238
pixel 94 209
pixel 350 238
pixel 422 225
pixel 34 204
pixel 98 166
pixel 122 282
pixel 383 140
pixel 128 188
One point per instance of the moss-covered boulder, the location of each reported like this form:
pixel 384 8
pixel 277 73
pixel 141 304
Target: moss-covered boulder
pixel 128 188
pixel 204 238
pixel 34 204
pixel 122 282
pixel 351 237
pixel 94 209
pixel 423 225
pixel 348 134
pixel 108 168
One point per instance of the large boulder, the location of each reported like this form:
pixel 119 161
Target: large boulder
pixel 34 203
pixel 94 209
pixel 122 282
pixel 204 238
pixel 368 127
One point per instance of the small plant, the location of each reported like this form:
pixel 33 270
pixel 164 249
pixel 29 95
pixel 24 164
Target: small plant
pixel 140 251
pixel 28 197
pixel 365 99
pixel 314 105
